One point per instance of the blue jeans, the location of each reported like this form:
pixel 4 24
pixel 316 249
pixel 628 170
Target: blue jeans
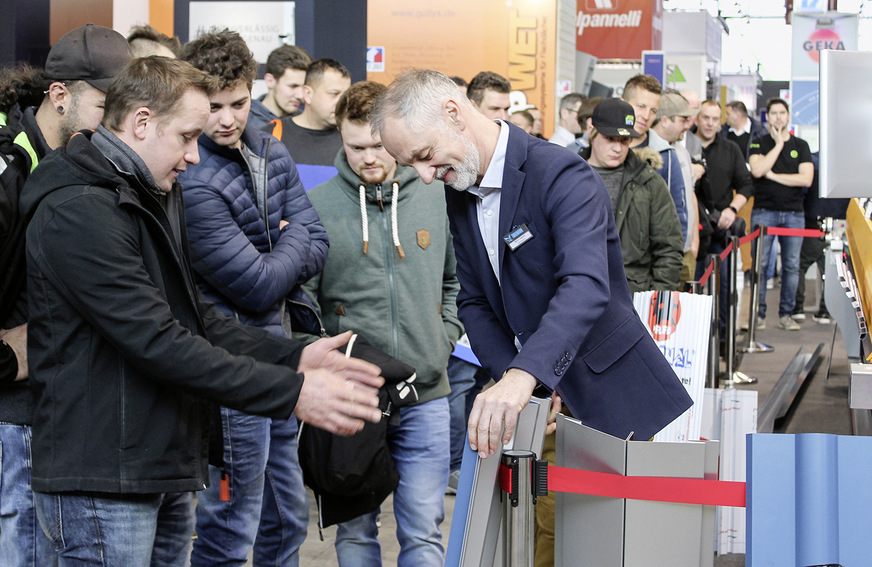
pixel 461 376
pixel 268 508
pixel 22 543
pixel 790 249
pixel 773 257
pixel 420 448
pixel 134 530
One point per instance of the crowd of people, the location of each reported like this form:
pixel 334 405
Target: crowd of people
pixel 187 272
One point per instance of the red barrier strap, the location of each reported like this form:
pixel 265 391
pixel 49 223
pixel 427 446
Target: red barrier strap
pixel 749 237
pixel 778 231
pixel 707 274
pixel 726 253
pixel 655 488
pixel 505 478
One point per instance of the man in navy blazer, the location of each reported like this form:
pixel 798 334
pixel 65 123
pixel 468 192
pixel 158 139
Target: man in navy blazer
pixel 543 294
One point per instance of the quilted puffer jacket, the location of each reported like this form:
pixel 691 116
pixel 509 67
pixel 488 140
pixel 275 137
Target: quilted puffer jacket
pixel 235 200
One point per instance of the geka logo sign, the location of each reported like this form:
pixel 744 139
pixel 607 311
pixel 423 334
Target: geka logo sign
pixel 820 40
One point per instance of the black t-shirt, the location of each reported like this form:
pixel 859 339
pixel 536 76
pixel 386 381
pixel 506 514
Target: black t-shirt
pixel 307 146
pixel 740 140
pixel 725 171
pixel 769 194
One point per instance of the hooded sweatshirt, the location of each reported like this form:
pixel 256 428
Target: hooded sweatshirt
pixel 390 272
pixel 670 171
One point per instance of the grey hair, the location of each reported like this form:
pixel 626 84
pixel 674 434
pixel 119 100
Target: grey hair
pixel 416 97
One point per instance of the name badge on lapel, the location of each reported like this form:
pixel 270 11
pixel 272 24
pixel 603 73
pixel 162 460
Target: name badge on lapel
pixel 519 235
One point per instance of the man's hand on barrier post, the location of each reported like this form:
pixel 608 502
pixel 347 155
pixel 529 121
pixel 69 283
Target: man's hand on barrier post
pixel 500 403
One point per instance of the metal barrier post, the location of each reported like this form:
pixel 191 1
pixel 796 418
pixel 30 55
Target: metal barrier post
pixel 733 375
pixel 518 512
pixel 751 344
pixel 711 289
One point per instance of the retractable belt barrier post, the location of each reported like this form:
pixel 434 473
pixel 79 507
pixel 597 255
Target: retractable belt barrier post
pixel 751 344
pixel 710 288
pixel 733 375
pixel 521 477
pixel 521 480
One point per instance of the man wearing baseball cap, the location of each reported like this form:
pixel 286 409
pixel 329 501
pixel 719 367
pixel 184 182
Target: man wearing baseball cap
pixel 77 74
pixel 645 216
pixel 673 120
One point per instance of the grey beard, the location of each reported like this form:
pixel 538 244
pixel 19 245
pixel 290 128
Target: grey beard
pixel 466 172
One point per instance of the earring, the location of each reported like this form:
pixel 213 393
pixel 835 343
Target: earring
pixel 60 110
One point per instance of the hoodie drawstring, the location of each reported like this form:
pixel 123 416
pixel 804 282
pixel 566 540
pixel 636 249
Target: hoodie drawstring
pixel 364 227
pixel 364 218
pixel 394 203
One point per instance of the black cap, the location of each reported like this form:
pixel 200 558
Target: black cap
pixel 90 53
pixel 615 118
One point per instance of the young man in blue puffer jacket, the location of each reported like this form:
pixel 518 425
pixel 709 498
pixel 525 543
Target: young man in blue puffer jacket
pixel 254 237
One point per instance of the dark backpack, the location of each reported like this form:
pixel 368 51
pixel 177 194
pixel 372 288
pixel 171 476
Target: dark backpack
pixel 352 476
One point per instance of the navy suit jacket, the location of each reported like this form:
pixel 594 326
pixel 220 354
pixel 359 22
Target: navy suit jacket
pixel 563 294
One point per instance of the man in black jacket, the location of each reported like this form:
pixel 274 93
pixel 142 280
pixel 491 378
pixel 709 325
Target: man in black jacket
pixel 42 110
pixel 126 360
pixel 722 191
pixel 740 128
pixel 727 183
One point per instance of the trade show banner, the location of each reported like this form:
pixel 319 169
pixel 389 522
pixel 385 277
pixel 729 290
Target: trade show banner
pixel 260 24
pixel 456 37
pixel 813 33
pixel 679 324
pixel 609 29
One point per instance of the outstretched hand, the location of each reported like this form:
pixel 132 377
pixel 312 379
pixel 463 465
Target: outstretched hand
pixel 338 392
pixel 335 404
pixel 501 403
pixel 323 354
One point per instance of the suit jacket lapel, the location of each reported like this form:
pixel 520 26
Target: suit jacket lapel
pixel 513 180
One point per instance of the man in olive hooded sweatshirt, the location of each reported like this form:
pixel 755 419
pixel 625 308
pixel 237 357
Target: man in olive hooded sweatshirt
pixel 390 276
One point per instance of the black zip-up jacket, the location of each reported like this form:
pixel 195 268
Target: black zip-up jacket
pixel 21 147
pixel 124 356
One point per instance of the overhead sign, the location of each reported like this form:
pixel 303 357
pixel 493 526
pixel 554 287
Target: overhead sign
pixel 263 25
pixel 618 29
pixel 654 64
pixel 457 37
pixel 811 6
pixel 813 33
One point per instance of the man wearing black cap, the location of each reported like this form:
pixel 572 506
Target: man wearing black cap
pixel 78 71
pixel 651 243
